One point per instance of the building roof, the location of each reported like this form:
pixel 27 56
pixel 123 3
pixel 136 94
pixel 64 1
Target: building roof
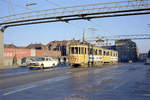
pixel 10 46
pixel 35 46
pixel 63 42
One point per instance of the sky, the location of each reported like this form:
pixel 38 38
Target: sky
pixel 46 32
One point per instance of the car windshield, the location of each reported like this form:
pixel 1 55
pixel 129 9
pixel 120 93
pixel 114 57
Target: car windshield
pixel 39 59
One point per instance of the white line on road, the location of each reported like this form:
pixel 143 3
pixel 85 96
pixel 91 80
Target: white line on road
pixel 32 85
pixel 11 92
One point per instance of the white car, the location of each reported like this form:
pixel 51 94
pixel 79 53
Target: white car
pixel 43 62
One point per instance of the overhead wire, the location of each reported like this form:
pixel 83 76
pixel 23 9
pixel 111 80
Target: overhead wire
pixel 99 26
pixel 52 3
pixel 55 4
pixel 16 5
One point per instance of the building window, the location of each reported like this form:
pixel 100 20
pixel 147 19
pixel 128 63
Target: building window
pixel 49 47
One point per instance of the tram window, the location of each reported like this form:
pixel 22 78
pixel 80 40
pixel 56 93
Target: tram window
pixel 100 52
pixel 79 51
pixel 85 50
pixel 72 50
pixel 114 54
pixel 69 50
pixel 76 50
pixel 104 53
pixel 110 53
pixel 82 50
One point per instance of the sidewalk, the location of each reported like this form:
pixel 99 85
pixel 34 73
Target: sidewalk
pixel 7 67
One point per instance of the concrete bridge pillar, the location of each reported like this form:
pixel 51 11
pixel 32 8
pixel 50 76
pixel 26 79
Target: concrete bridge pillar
pixel 2 48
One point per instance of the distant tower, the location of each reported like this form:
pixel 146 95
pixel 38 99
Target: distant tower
pixel 84 35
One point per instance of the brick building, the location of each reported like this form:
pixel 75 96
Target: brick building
pixel 11 51
pixel 61 46
pixel 37 46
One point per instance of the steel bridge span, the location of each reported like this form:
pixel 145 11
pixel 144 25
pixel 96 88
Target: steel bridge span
pixel 66 14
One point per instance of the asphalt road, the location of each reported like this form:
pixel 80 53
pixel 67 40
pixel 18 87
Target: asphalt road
pixel 117 82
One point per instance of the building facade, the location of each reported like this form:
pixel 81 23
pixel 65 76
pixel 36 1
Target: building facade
pixel 127 50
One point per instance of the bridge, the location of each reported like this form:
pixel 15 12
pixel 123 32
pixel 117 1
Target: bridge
pixel 66 14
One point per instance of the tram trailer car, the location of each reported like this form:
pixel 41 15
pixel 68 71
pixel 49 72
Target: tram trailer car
pixel 84 55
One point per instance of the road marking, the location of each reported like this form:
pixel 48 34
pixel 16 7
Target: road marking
pixel 13 74
pixel 122 83
pixel 68 72
pixel 9 91
pixel 146 94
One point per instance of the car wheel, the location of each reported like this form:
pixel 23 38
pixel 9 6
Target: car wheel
pixel 53 65
pixel 42 66
pixel 30 68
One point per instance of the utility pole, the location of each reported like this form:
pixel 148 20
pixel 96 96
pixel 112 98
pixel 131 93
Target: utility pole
pixel 84 35
pixel 93 30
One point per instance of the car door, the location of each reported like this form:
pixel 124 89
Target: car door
pixel 46 62
pixel 50 62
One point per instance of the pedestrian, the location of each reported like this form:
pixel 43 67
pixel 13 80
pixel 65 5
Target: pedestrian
pixel 14 60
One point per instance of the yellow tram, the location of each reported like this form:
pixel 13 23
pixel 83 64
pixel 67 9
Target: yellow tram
pixel 85 54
